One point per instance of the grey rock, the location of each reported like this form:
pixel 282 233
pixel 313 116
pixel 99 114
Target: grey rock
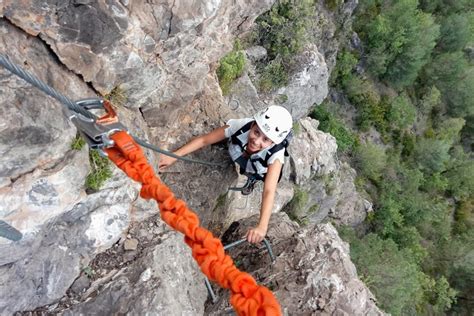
pixel 328 184
pixel 141 48
pixel 312 275
pixel 155 284
pixel 81 283
pixel 39 269
pixel 130 244
pixel 308 86
pixel 256 53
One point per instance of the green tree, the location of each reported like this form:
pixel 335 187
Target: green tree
pixel 429 100
pixel 390 273
pixel 345 63
pixel 431 155
pixel 456 32
pixel 460 174
pixel 402 113
pixel 446 7
pixel 283 30
pixel 330 124
pixel 454 77
pixel 449 130
pixel 370 160
pixel 399 40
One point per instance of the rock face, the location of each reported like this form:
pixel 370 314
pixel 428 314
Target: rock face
pixel 325 186
pixel 312 274
pixel 159 284
pixel 89 252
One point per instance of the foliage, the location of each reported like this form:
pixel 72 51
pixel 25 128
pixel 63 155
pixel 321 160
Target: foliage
pixel 330 124
pixel 429 100
pixel 441 295
pixel 231 67
pixel 117 96
pixel 446 7
pixel 431 155
pixel 370 160
pixel 272 76
pixel 422 181
pixel 284 32
pixel 333 4
pixel 401 114
pixel 342 72
pixel 448 130
pixel 394 278
pixel 89 272
pixel 452 74
pixel 460 174
pixel 100 171
pixel 362 93
pixel 295 208
pixel 464 217
pixel 399 39
pixel 78 143
pixel 456 32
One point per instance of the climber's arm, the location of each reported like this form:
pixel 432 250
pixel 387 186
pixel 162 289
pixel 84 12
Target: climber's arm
pixel 257 234
pixel 196 143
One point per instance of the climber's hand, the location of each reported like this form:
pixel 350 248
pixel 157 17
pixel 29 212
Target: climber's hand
pixel 256 235
pixel 165 162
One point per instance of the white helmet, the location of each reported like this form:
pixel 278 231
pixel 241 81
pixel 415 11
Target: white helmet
pixel 275 122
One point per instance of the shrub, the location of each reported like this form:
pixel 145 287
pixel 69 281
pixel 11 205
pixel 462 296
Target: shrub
pixel 362 93
pixel 345 63
pixel 333 4
pixel 231 67
pixel 431 155
pixel 78 143
pixel 100 171
pixel 402 113
pixel 283 31
pixel 296 207
pixel 329 124
pixel 370 160
pixel 392 275
pixel 273 76
pixel 117 96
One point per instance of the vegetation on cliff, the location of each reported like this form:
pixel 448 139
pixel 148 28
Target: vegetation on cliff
pixel 412 84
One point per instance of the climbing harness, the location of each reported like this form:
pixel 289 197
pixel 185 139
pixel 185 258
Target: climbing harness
pixel 9 232
pixel 247 188
pixel 254 163
pixel 80 114
pixel 210 291
pixel 106 134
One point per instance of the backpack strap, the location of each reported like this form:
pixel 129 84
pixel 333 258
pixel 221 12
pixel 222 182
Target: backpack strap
pixel 234 137
pixel 263 161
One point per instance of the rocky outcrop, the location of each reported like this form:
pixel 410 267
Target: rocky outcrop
pixel 312 274
pixel 85 252
pixel 155 283
pixel 141 46
pixel 325 186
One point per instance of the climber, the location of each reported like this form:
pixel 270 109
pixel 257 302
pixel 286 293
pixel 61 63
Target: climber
pixel 258 146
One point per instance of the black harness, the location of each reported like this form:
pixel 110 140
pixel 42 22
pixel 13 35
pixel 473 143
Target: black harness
pixel 243 160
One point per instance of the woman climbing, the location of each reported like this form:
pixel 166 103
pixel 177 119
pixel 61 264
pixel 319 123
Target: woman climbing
pixel 258 145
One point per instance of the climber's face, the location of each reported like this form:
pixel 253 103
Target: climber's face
pixel 257 140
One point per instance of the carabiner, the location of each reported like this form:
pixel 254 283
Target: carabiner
pixel 97 131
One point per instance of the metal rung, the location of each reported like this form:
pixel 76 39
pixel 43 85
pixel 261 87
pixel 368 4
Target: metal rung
pixel 9 232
